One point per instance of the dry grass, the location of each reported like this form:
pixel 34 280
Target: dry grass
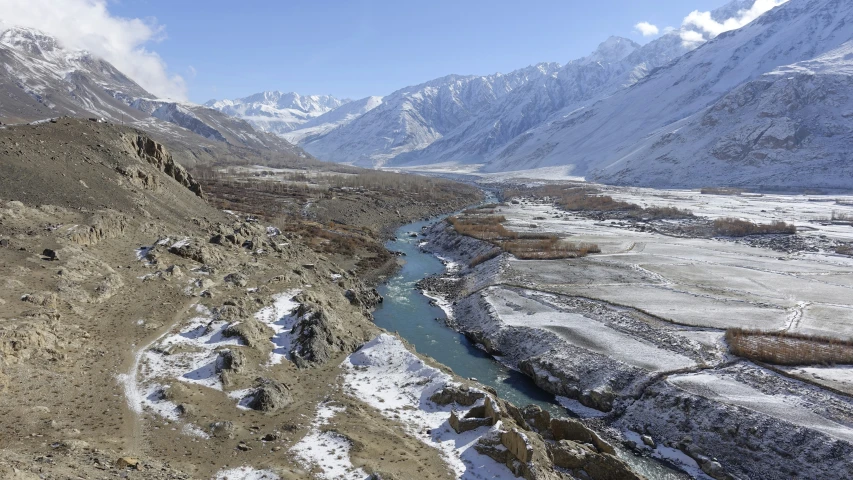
pixel 781 348
pixel 526 246
pixel 493 253
pixel 735 227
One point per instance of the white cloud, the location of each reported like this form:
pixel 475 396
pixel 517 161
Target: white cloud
pixel 703 24
pixel 692 38
pixel 88 25
pixel 647 29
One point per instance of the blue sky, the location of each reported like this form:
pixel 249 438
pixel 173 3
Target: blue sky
pixel 227 49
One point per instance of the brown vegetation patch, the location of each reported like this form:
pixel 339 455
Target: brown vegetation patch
pixel 524 246
pixel 735 227
pixel 783 348
pixel 587 199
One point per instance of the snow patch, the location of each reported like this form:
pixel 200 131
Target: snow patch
pixel 385 375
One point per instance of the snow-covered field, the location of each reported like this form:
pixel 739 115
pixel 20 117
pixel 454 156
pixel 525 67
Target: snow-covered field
pixel 516 310
pixel 788 408
pixel 327 451
pixel 701 282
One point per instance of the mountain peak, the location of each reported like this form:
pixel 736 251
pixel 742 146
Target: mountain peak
pixel 29 40
pixel 613 49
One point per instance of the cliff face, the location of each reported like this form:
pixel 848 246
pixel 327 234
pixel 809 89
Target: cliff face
pixel 156 154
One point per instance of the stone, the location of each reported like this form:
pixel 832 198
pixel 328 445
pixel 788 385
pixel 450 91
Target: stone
pixel 4 242
pixel 270 396
pixel 49 254
pixel 237 279
pixel 224 429
pixel 648 441
pixel 127 462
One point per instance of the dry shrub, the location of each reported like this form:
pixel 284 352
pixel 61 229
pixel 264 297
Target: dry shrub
pixel 493 253
pixel 841 217
pixel 524 246
pixel 783 348
pixel 587 199
pixel 735 227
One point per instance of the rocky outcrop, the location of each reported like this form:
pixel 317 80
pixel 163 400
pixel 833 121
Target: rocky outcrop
pixel 195 250
pixel 529 442
pixel 270 396
pixel 254 333
pixel 459 394
pixel 102 226
pixel 320 335
pixel 156 154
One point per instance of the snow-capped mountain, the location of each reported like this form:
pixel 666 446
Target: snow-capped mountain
pixel 616 64
pixel 400 134
pixel 42 79
pixel 277 112
pixel 414 117
pixel 790 127
pixel 340 116
pixel 624 137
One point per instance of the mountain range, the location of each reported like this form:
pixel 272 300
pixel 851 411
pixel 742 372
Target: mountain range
pixel 767 104
pixel 751 106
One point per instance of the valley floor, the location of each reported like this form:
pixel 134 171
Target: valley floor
pixel 639 330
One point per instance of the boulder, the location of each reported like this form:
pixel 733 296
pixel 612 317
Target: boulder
pixel 127 462
pixel 270 396
pixel 570 429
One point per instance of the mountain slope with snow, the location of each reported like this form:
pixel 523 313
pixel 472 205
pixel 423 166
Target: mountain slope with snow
pixel 42 79
pixel 616 64
pixel 328 121
pixel 792 127
pixel 414 117
pixel 277 112
pixel 599 141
